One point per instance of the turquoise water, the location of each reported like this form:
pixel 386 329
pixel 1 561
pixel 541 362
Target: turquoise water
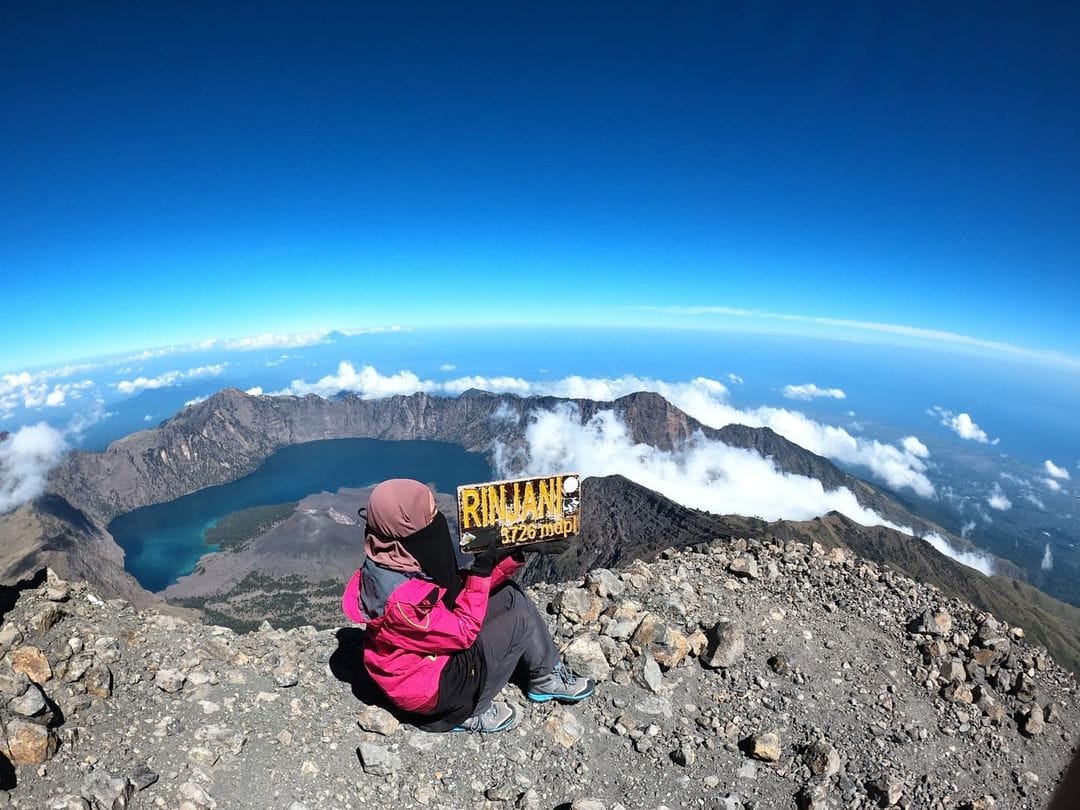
pixel 164 542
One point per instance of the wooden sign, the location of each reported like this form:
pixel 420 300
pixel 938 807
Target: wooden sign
pixel 519 512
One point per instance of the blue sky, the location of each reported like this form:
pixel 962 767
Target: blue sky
pixel 172 172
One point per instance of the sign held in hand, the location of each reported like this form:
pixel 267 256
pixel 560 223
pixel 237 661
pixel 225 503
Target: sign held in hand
pixel 519 512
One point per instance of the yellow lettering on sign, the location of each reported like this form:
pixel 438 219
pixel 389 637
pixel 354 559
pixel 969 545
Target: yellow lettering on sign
pixel 528 503
pixel 470 506
pixel 551 497
pixel 496 506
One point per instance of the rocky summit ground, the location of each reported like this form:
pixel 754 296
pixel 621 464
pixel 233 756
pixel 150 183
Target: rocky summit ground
pixel 733 675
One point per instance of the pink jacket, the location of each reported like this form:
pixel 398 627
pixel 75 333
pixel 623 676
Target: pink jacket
pixel 407 647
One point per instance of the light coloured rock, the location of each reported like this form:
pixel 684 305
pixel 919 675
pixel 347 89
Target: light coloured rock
pixel 748 770
pixel 31 662
pixel 45 619
pixel 699 642
pixel 197 796
pixel 377 720
pixel 286 673
pixel 69 802
pixel 170 681
pixel 666 645
pixel 727 643
pixel 578 606
pixel 378 760
pixel 108 791
pixel 814 796
pixel 30 703
pixel 99 681
pixel 745 566
pixel 890 788
pixel 933 624
pixel 25 742
pixel 10 635
pixel 586 656
pixel 650 673
pixel 765 746
pixel 202 756
pixel 1035 721
pixel 954 671
pixel 564 727
pixel 78 667
pixel 604 583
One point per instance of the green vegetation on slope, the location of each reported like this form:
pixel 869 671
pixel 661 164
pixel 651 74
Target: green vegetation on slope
pixel 287 601
pixel 235 529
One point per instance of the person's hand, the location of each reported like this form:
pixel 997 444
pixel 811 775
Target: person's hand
pixel 485 561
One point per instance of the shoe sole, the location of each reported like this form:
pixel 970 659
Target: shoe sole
pixel 504 727
pixel 546 696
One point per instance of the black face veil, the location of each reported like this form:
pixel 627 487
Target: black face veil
pixel 433 548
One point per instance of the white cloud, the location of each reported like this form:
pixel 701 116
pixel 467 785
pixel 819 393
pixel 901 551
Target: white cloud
pixel 255 391
pixel 997 499
pixel 274 340
pixel 372 330
pixel 504 413
pixel 963 426
pixel 701 473
pixel 168 378
pixel 809 391
pixel 447 367
pixel 368 383
pixel 1034 500
pixel 1056 471
pixel 34 391
pixel 1052 485
pixel 702 398
pixel 195 401
pixel 25 459
pixel 972 559
pixel 1047 560
pixel 915 447
pixel 734 378
pixel 967 529
pixel 84 419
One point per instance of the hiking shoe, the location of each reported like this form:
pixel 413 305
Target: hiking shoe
pixel 562 684
pixel 497 717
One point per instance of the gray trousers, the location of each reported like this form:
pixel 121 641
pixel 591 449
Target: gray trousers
pixel 514 635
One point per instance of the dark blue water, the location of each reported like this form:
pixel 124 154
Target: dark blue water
pixel 164 542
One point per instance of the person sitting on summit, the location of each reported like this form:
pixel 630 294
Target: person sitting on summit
pixel 441 640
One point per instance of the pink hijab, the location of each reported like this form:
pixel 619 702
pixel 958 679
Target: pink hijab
pixel 398 508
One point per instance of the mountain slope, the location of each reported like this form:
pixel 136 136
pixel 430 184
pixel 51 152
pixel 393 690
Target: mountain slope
pixel 815 691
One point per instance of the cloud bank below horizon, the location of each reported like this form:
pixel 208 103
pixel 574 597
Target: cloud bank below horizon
pixel 706 400
pixel 702 473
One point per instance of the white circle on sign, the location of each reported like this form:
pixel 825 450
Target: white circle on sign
pixel 569 486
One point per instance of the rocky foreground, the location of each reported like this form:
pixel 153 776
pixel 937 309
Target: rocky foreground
pixel 732 675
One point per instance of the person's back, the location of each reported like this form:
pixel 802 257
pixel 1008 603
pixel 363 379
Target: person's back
pixel 442 642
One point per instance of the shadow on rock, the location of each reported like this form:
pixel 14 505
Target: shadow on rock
pixel 7 773
pixel 9 594
pixel 347 665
